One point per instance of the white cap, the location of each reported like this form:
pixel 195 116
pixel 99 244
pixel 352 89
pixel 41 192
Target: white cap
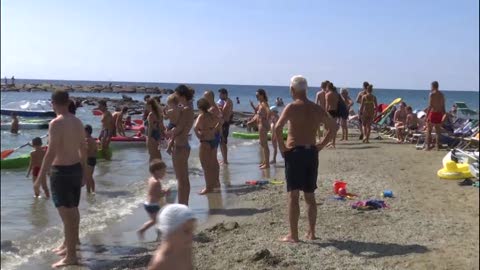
pixel 421 114
pixel 172 216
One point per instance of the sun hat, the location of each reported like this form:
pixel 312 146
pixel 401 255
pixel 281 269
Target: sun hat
pixel 172 216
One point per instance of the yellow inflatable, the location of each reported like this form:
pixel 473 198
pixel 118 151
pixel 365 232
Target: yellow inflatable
pixel 454 171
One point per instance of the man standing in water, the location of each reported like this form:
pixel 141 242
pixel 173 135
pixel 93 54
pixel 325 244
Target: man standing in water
pixel 227 113
pixel 359 101
pixel 301 153
pixel 108 127
pixel 65 159
pixel 181 147
pixel 435 113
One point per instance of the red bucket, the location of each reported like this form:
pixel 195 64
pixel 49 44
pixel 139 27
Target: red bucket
pixel 338 184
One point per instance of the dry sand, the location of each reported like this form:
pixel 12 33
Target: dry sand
pixel 431 223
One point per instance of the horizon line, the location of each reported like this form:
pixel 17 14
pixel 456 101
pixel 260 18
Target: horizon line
pixel 230 84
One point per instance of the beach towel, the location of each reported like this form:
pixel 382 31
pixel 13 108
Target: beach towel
pixel 369 205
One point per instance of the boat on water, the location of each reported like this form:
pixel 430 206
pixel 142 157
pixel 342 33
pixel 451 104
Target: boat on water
pixel 39 108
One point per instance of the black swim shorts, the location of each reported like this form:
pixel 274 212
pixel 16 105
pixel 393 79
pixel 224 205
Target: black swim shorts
pixel 92 161
pixel 301 168
pixel 225 132
pixel 334 113
pixel 66 185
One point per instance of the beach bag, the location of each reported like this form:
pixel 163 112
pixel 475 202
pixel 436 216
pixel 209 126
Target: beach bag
pixel 342 108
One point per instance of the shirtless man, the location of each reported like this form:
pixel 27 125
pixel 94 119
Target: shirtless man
pixel 301 153
pixel 331 106
pixel 119 129
pixel 400 119
pixel 359 101
pixel 108 127
pixel 320 100
pixel 66 161
pixel 181 147
pixel 227 113
pixel 176 223
pixel 435 112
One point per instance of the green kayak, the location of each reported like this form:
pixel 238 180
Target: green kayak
pixel 22 161
pixel 254 136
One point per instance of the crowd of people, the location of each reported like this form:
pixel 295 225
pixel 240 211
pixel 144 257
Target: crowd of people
pixel 71 161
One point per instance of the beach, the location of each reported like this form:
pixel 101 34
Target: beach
pixel 430 223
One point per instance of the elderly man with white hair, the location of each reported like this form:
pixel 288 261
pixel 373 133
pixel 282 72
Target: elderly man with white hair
pixel 301 153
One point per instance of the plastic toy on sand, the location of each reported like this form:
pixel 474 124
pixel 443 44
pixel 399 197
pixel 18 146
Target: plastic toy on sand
pixel 387 193
pixel 337 185
pixel 342 192
pixel 454 171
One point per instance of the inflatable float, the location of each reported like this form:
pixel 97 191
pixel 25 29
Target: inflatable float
pixel 454 171
pixel 22 161
pixel 254 136
pixel 136 125
pixel 27 124
pixel 383 116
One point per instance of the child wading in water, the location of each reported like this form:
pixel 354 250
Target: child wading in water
pixel 171 112
pixel 154 194
pixel 36 159
pixel 91 158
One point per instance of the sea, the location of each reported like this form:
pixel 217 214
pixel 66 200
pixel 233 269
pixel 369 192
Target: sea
pixel 31 227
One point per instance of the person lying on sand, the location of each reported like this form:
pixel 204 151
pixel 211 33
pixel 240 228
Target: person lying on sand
pixel 176 224
pixel 301 153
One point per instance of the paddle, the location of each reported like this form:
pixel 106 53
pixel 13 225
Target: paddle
pixel 8 152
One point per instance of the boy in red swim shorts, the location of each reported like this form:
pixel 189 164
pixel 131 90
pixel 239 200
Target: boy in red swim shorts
pixel 435 113
pixel 36 159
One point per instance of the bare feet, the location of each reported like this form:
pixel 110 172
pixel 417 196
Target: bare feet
pixel 265 166
pixel 61 252
pixel 61 247
pixel 205 191
pixel 310 236
pixel 289 239
pixel 65 261
pixel 273 162
pixel 225 162
pixel 341 139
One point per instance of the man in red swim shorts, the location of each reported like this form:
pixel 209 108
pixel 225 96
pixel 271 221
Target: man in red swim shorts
pixel 435 113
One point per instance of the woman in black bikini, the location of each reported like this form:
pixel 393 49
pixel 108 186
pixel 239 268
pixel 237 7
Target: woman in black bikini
pixel 155 130
pixel 206 127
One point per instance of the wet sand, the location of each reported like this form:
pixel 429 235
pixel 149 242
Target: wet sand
pixel 431 223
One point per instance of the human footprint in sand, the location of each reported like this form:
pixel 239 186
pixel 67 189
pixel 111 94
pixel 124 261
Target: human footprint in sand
pixel 207 130
pixel 176 223
pixel 301 153
pixel 154 194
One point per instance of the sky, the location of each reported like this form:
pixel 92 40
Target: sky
pixel 400 44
